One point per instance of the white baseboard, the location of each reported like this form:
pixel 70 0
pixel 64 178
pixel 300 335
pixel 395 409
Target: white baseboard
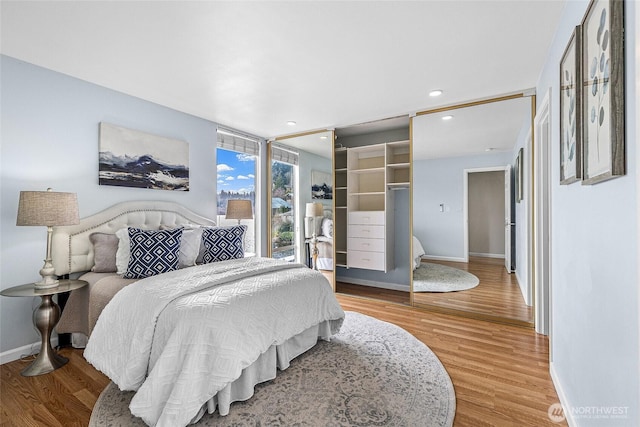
pixel 443 258
pixel 484 255
pixel 562 396
pixel 25 350
pixel 382 285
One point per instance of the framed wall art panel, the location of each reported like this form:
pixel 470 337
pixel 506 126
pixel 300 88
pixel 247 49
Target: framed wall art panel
pixel 603 91
pixel 321 185
pixel 571 110
pixel 130 158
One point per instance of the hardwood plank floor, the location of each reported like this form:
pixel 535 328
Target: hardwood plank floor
pixel 500 373
pixel 497 297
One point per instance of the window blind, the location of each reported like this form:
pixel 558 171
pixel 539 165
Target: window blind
pixel 284 154
pixel 233 140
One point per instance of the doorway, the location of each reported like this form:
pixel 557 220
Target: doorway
pixel 488 214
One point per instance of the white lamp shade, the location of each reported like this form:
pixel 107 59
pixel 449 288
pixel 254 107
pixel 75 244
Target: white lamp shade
pixel 48 208
pixel 313 209
pixel 239 209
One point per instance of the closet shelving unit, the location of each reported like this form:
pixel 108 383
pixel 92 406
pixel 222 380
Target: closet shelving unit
pixel 365 178
pixel 364 182
pixel 340 212
pixel 398 165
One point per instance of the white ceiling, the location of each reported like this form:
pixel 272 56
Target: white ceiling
pixel 473 130
pixel 254 66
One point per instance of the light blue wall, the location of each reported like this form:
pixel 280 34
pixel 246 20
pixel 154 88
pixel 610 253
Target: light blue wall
pixel 594 319
pixel 50 139
pixel 442 181
pixel 522 214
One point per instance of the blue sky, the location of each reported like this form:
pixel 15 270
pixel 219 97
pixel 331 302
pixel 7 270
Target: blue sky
pixel 236 171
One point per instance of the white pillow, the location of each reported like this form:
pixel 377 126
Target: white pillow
pixel 124 251
pixel 189 246
pixel 327 227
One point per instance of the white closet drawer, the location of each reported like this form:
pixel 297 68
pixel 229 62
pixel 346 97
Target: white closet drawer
pixel 366 217
pixel 368 260
pixel 366 231
pixel 367 245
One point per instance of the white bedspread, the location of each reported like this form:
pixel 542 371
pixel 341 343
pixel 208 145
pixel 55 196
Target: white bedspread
pixel 180 337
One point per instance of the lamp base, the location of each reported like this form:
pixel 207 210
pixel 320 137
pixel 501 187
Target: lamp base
pixel 46 283
pixel 314 251
pixel 47 271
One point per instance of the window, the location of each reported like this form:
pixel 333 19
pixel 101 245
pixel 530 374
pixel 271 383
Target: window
pixel 283 203
pixel 236 161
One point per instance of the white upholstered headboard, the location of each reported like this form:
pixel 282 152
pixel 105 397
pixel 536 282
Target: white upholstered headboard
pixel 71 250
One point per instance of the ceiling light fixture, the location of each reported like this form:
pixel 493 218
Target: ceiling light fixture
pixel 291 123
pixel 324 137
pixel 436 92
pixel 449 117
pixel 489 149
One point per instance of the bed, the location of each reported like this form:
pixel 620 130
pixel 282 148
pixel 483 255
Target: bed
pixel 324 235
pixel 195 339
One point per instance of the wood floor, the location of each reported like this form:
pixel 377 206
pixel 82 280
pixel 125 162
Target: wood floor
pixel 496 298
pixel 500 373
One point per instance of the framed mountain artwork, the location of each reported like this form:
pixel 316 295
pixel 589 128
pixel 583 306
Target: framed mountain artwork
pixel 130 158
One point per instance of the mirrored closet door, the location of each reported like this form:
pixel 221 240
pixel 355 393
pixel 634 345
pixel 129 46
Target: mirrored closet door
pixel 470 226
pixel 301 200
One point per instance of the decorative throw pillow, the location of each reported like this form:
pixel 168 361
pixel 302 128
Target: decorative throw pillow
pixel 190 244
pixel 123 252
pixel 223 243
pixel 153 252
pixel 105 247
pixel 327 227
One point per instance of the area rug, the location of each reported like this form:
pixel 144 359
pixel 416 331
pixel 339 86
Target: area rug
pixel 372 373
pixel 429 277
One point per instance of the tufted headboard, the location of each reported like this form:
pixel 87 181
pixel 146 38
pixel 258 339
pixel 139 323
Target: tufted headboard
pixel 71 250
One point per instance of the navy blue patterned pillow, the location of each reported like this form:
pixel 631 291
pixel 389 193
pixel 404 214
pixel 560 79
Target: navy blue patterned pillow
pixel 152 252
pixel 223 243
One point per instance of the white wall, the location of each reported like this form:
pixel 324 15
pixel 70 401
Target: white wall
pixel 442 181
pixel 50 139
pixel 594 335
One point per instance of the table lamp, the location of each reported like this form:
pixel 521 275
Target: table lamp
pixel 47 208
pixel 239 209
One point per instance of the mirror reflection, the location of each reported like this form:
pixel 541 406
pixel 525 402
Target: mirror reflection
pixel 302 200
pixel 470 236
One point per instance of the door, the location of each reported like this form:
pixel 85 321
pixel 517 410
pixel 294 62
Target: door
pixel 508 221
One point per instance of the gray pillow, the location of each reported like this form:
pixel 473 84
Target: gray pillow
pixel 105 247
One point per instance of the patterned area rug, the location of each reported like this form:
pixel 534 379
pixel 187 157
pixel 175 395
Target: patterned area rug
pixel 430 277
pixel 372 373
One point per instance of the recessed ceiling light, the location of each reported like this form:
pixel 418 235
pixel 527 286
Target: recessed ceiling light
pixel 291 123
pixel 436 92
pixel 489 149
pixel 324 137
pixel 449 117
